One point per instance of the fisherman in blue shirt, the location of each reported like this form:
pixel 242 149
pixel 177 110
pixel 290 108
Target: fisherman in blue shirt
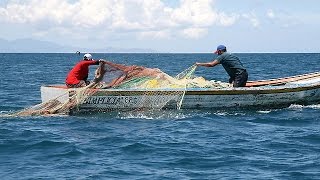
pixel 231 63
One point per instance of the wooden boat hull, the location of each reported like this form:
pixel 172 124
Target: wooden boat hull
pixel 299 92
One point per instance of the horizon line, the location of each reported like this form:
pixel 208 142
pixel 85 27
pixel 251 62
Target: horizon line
pixel 259 52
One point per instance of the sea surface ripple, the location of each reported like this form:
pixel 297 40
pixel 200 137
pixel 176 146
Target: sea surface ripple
pixel 167 144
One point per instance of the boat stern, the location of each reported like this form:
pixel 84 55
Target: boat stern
pixel 58 92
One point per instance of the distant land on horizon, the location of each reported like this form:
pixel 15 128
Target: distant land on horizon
pixel 37 46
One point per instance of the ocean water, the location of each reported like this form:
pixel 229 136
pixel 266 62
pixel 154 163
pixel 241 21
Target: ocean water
pixel 169 144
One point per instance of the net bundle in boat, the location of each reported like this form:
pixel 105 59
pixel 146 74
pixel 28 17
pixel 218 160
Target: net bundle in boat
pixel 144 88
pixel 119 76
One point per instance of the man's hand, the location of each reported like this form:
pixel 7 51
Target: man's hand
pixel 104 61
pixel 101 60
pixel 208 64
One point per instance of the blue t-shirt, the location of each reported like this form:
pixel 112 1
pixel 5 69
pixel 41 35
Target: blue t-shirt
pixel 231 64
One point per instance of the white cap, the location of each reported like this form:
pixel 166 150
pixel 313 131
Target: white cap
pixel 87 57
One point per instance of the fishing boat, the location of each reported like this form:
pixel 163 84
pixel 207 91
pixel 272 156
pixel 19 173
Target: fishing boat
pixel 273 93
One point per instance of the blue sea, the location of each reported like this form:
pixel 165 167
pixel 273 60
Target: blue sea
pixel 170 144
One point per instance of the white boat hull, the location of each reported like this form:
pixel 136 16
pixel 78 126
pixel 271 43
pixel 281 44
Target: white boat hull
pixel 303 92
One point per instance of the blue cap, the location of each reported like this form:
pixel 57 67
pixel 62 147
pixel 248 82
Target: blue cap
pixel 220 47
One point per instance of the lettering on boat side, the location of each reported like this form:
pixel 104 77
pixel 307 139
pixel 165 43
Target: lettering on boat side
pixel 113 100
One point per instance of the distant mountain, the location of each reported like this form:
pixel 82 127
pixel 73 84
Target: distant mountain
pixel 37 46
pixel 29 45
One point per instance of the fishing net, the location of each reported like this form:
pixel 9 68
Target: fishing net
pixel 119 76
pixel 55 106
pixel 127 88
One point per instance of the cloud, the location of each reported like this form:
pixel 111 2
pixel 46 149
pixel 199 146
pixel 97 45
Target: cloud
pixel 197 13
pixel 282 18
pixel 35 11
pixel 227 20
pixel 270 14
pixel 195 33
pixel 252 19
pixel 155 35
pixel 148 18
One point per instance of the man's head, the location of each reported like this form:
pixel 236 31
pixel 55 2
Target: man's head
pixel 87 57
pixel 221 49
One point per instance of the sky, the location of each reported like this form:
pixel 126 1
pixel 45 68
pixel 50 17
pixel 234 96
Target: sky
pixel 167 25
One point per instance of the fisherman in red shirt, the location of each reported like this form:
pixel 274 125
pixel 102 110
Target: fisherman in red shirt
pixel 78 75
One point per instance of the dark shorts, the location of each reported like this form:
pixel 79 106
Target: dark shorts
pixel 82 83
pixel 241 79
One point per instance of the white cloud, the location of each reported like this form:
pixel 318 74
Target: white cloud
pixel 195 33
pixel 88 13
pixel 197 13
pixel 270 14
pixel 155 35
pixel 226 20
pixel 282 18
pixel 149 18
pixel 35 11
pixel 252 19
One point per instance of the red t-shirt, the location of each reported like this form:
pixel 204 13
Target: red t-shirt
pixel 80 71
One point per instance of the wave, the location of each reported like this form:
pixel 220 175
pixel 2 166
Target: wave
pixel 264 111
pixel 297 106
pixel 138 148
pixel 157 115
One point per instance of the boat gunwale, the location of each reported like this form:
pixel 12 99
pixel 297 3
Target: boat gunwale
pixel 207 91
